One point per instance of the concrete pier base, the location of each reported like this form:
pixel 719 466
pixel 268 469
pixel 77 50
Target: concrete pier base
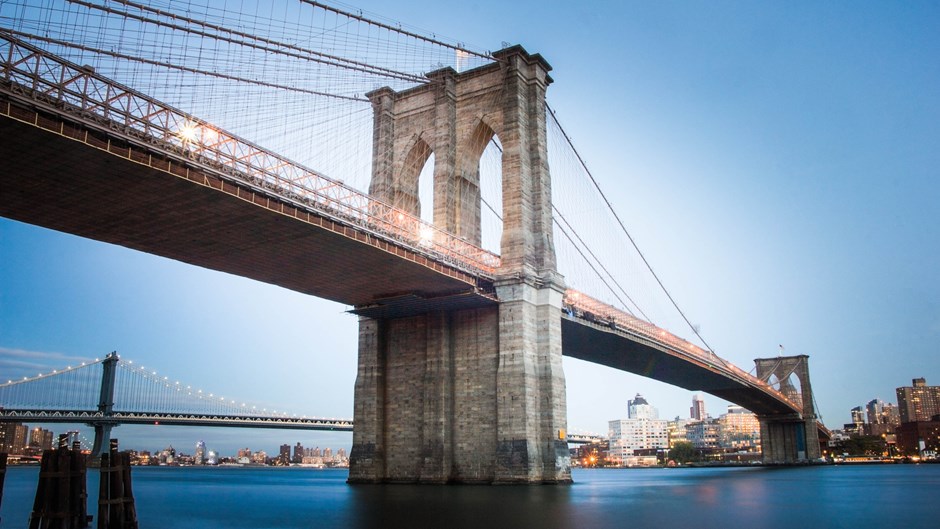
pixel 787 441
pixel 471 396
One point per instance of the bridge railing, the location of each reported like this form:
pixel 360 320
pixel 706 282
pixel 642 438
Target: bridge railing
pixel 105 104
pixel 591 309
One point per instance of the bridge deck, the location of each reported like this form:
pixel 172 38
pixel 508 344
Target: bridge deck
pixel 174 419
pixel 93 177
pixel 122 194
pixel 599 344
pixel 118 194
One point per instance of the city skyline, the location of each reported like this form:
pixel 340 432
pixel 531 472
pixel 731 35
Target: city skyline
pixel 234 444
pixel 790 147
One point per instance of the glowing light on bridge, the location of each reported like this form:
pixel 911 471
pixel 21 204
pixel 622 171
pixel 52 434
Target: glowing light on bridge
pixel 189 131
pixel 425 235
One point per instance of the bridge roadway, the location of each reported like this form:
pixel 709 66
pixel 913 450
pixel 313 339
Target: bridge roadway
pixel 84 177
pixel 56 182
pixel 174 419
pixel 160 206
pixel 230 421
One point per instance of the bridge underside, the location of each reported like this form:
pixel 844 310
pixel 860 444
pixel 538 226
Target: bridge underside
pixel 61 176
pixel 122 195
pixel 600 345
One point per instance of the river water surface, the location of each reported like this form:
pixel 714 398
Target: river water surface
pixel 229 497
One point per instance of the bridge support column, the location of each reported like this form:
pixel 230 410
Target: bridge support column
pixel 102 439
pixel 532 409
pixel 468 395
pixel 426 398
pixel 791 439
pixel 784 441
pixel 105 404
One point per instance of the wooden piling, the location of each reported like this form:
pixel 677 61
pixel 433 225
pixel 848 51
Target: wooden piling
pixel 61 497
pixel 116 508
pixel 3 473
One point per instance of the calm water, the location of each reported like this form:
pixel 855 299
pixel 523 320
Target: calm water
pixel 832 497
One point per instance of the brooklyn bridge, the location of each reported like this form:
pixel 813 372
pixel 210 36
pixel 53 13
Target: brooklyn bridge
pixel 424 201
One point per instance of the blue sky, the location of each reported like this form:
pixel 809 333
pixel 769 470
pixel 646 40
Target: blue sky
pixel 777 162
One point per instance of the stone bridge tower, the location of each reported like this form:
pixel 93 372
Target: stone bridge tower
pixel 787 440
pixel 468 394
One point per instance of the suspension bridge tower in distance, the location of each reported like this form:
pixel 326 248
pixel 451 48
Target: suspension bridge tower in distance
pixel 794 439
pixel 446 393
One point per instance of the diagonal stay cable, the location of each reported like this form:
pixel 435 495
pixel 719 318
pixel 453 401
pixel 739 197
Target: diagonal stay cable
pixel 599 262
pixel 591 265
pixel 624 228
pixel 586 247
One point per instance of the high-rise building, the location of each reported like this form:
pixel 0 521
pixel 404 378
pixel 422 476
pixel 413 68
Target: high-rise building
pixel 40 439
pixel 874 408
pixel 7 431
pixel 890 414
pixel 168 455
pixel 675 430
pixel 918 402
pixel 20 439
pixel 298 453
pixel 643 430
pixel 638 408
pixel 883 418
pixel 703 434
pixel 858 417
pixel 629 435
pixel 13 437
pixel 200 457
pixel 283 456
pixel 738 430
pixel 697 411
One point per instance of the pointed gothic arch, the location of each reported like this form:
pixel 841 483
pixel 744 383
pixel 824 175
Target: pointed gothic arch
pixel 467 197
pixel 405 188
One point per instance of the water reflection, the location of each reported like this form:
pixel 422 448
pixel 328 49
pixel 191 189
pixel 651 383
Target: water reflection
pixel 216 498
pixel 462 506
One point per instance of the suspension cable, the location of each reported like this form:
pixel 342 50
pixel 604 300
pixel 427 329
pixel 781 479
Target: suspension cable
pixel 379 69
pixel 172 66
pixel 402 76
pixel 375 23
pixel 591 265
pixel 604 268
pixel 586 247
pixel 624 228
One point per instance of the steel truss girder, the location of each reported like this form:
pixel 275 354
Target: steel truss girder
pixel 101 103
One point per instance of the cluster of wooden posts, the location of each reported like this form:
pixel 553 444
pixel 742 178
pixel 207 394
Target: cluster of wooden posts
pixel 61 496
pixel 3 473
pixel 116 508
